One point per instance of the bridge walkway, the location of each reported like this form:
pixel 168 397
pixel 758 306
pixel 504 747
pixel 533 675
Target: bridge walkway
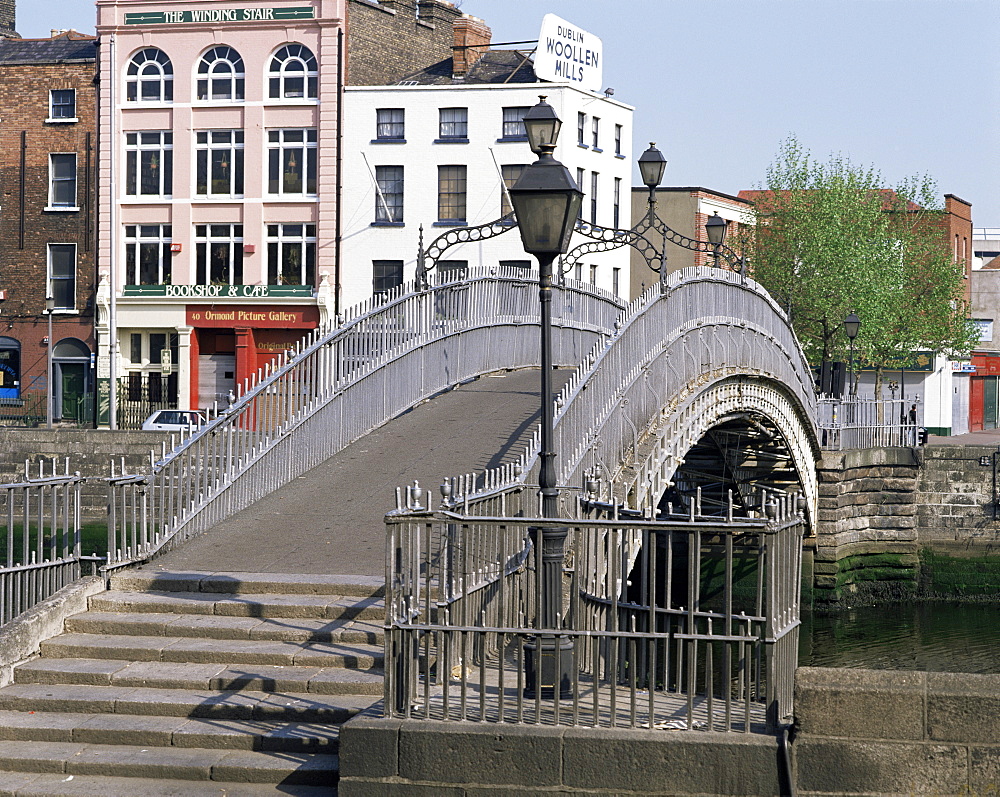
pixel 329 520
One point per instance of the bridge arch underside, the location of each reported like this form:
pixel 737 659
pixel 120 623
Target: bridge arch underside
pixel 743 434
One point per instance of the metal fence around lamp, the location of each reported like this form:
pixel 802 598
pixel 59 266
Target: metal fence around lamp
pixel 546 202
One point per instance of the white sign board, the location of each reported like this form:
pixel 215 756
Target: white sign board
pixel 568 54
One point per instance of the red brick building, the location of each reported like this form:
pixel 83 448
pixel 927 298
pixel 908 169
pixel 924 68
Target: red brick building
pixel 47 188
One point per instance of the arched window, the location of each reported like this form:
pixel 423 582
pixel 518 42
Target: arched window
pixel 293 73
pixel 220 74
pixel 149 77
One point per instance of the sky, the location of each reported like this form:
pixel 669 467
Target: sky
pixel 909 86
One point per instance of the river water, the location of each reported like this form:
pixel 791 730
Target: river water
pixel 933 636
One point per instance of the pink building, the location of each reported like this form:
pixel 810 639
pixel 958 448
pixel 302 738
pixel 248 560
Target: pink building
pixel 218 172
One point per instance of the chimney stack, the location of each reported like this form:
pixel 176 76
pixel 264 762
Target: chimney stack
pixel 472 40
pixel 7 15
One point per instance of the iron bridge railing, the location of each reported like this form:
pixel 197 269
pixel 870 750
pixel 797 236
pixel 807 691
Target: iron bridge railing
pixel 868 423
pixel 336 385
pixel 685 622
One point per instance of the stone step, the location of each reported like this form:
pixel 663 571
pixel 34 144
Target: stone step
pixel 153 731
pixel 225 627
pixel 149 578
pixel 176 763
pixel 210 704
pixel 262 605
pixel 25 784
pixel 184 675
pixel 210 651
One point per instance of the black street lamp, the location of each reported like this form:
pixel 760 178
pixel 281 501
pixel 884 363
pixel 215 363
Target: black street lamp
pixel 851 326
pixel 715 229
pixel 546 202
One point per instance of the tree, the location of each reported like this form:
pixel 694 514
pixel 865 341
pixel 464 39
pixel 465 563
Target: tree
pixel 832 238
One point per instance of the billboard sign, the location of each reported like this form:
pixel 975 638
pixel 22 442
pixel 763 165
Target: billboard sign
pixel 568 54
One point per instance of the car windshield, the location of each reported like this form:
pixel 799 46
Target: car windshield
pixel 177 417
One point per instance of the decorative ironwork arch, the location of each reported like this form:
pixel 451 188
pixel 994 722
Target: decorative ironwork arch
pixel 428 258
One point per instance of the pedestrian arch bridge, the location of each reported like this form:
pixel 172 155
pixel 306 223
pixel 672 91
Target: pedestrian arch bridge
pixel 694 391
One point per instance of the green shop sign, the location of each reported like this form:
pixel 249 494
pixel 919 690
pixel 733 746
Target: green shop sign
pixel 219 15
pixel 218 291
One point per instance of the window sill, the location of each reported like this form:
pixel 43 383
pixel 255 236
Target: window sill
pixel 620 157
pixel 61 209
pixel 581 145
pixel 387 224
pixel 510 139
pixel 387 141
pixel 597 149
pixel 218 198
pixel 451 141
pixel 451 223
pixel 66 121
pixel 64 311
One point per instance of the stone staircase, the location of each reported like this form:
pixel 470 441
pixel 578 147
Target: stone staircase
pixel 195 684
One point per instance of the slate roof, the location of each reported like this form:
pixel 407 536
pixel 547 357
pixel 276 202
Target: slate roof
pixel 496 66
pixel 69 47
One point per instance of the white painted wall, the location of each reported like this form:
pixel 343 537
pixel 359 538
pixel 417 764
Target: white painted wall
pixel 420 157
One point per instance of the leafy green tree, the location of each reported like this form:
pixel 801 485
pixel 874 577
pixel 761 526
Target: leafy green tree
pixel 831 238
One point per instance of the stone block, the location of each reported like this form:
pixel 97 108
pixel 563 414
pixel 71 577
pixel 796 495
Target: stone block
pixel 864 704
pixel 361 787
pixel 369 747
pixel 984 770
pixel 627 760
pixel 963 707
pixel 506 755
pixel 853 766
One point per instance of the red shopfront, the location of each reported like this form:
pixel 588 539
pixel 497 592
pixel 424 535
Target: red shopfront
pixel 229 343
pixel 984 392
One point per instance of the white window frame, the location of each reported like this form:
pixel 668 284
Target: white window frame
pixel 204 150
pixel 50 279
pixel 136 236
pixel 278 146
pixel 385 119
pixel 135 150
pixel 222 65
pixel 459 177
pixel 390 195
pixel 283 240
pixel 52 206
pixel 512 123
pixel 279 74
pixel 53 119
pixel 453 124
pixel 149 70
pixel 211 238
pixel 510 173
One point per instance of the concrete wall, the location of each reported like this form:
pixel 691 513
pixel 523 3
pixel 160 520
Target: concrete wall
pixel 955 501
pixel 90 451
pixel 889 732
pixel 857 732
pixel 451 759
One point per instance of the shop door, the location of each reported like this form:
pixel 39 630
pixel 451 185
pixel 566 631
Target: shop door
pixel 990 402
pixel 73 387
pixel 216 378
pixel 976 404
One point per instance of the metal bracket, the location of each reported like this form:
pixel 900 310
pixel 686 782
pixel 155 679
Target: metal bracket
pixel 427 259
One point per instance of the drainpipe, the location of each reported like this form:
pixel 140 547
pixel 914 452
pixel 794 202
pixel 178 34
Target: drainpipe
pixel 339 199
pixel 111 138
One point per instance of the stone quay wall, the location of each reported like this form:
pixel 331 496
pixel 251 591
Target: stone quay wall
pixel 856 732
pixel 887 514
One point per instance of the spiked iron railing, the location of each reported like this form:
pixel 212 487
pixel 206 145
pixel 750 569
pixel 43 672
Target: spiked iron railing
pixel 699 631
pixel 40 533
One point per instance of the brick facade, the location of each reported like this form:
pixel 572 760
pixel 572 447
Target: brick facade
pixel 29 70
pixel 389 40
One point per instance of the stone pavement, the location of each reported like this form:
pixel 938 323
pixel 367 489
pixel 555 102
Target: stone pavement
pixel 330 520
pixel 987 437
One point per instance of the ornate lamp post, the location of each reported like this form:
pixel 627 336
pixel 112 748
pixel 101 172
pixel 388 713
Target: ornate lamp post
pixel 546 202
pixel 851 326
pixel 715 229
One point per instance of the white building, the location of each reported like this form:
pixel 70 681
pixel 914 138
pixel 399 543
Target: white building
pixel 436 150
